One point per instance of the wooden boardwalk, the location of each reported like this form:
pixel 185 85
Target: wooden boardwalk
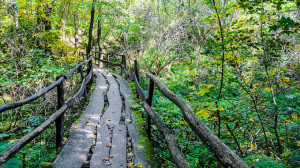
pixel 106 135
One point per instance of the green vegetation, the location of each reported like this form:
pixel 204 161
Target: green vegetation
pixel 235 61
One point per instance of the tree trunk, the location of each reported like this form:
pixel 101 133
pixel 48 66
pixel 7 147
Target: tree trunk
pixel 48 27
pixel 99 44
pixel 20 50
pixel 76 31
pixel 88 49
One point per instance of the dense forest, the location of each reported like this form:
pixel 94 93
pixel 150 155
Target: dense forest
pixel 236 62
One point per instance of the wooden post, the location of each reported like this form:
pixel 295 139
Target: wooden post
pixel 59 122
pixel 137 76
pixel 99 65
pixel 82 77
pixel 149 101
pixel 122 64
pixel 107 59
pixel 125 66
pixel 91 65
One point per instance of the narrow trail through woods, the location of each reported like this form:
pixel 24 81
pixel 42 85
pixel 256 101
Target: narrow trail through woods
pixel 106 135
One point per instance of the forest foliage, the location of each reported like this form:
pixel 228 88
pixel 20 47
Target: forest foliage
pixel 237 62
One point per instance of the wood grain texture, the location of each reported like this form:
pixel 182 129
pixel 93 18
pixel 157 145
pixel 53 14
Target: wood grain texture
pixel 118 149
pixel 221 151
pixel 101 152
pixel 171 140
pixel 112 115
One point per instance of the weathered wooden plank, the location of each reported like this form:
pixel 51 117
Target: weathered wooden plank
pixel 100 157
pixel 130 119
pixel 126 93
pixel 98 97
pixel 112 115
pixel 118 149
pixel 139 157
pixel 77 148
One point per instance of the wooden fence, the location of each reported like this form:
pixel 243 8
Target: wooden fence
pixel 58 116
pixel 221 151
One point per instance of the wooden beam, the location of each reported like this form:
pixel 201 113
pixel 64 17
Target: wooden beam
pixel 221 151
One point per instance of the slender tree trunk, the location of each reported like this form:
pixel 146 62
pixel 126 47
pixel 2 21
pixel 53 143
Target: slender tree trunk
pixel 20 50
pixel 99 44
pixel 223 69
pixel 76 31
pixel 48 27
pixel 275 127
pixel 89 47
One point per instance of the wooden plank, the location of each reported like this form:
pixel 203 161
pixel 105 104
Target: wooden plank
pixel 98 98
pixel 77 148
pixel 112 115
pixel 118 149
pixel 96 105
pixel 139 157
pixel 126 93
pixel 100 157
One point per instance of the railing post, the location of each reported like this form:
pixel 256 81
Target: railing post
pixel 92 77
pixel 107 59
pixel 82 77
pixel 137 76
pixel 149 101
pixel 122 64
pixel 59 122
pixel 125 66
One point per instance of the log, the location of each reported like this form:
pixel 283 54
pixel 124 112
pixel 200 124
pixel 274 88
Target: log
pixel 139 90
pixel 14 148
pixel 113 64
pixel 42 92
pixel 221 151
pixel 31 98
pixel 169 137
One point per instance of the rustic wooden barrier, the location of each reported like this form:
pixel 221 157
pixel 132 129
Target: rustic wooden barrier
pixel 57 117
pixel 220 150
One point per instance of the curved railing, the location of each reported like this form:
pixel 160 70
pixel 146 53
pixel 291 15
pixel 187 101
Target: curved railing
pixel 57 117
pixel 220 150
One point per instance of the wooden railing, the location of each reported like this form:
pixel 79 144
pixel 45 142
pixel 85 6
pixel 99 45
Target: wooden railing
pixel 221 151
pixel 58 116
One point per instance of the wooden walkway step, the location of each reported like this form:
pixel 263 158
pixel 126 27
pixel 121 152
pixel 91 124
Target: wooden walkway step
pixel 106 135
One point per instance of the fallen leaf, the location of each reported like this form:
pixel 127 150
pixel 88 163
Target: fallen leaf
pixel 130 154
pixel 90 123
pixel 105 158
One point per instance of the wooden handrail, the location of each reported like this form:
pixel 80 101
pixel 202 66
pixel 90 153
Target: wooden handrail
pixel 221 151
pixel 42 92
pixel 56 117
pixel 171 140
pixel 113 64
